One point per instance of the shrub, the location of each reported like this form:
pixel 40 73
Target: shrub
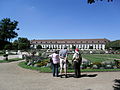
pixel 2 52
pixel 40 54
pixel 98 64
pixel 86 64
pixel 98 52
pixel 6 57
pixel 85 52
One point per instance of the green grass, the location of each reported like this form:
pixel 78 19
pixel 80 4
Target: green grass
pixel 101 57
pixel 98 57
pixel 10 60
pixel 91 57
pixel 48 70
pixel 41 69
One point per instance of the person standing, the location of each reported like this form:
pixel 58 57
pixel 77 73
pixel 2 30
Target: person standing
pixel 55 63
pixel 77 60
pixel 63 60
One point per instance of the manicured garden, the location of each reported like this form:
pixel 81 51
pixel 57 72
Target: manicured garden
pixel 101 57
pixel 96 62
pixel 48 69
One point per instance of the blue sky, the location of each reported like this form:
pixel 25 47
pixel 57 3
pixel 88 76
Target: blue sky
pixel 63 19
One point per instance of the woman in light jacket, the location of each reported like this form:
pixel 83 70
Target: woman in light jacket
pixel 55 65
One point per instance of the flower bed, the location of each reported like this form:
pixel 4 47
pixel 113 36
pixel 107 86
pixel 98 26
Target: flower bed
pixel 48 70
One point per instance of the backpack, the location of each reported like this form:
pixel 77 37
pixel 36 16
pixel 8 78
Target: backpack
pixel 77 57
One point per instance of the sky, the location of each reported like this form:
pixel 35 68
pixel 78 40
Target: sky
pixel 63 19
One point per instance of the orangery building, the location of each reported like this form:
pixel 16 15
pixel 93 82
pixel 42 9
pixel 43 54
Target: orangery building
pixel 83 44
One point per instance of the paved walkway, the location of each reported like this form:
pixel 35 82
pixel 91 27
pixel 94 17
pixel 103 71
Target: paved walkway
pixel 13 77
pixel 11 57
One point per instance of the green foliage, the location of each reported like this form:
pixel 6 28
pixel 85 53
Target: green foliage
pixel 8 47
pixel 85 52
pixel 40 54
pixel 7 31
pixel 33 52
pixel 73 47
pixel 100 57
pixel 98 64
pixel 39 47
pixel 21 44
pixel 15 45
pixel 41 69
pixel 98 52
pixel 93 1
pixel 115 45
pixel 47 69
pixel 1 53
pixel 91 47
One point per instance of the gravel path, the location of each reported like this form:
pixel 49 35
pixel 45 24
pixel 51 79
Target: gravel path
pixel 13 77
pixel 11 57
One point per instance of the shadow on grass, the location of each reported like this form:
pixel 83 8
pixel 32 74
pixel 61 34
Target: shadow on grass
pixel 117 84
pixel 83 75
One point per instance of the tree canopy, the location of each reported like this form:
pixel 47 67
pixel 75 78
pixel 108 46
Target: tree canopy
pixel 39 47
pixel 93 1
pixel 7 31
pixel 21 44
pixel 113 45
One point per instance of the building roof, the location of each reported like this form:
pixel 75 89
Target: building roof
pixel 70 41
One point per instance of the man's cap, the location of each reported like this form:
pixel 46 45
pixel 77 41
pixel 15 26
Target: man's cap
pixel 76 49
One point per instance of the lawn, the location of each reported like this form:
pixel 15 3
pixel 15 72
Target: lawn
pixel 100 57
pixel 91 57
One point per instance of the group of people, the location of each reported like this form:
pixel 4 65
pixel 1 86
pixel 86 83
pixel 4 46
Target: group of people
pixel 60 58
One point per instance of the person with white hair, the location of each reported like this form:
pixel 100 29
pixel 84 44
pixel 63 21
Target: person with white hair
pixel 63 60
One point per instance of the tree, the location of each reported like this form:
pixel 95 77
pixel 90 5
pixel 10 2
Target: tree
pixel 90 47
pixel 73 47
pixel 21 44
pixel 39 47
pixel 114 45
pixel 15 45
pixel 8 46
pixel 7 31
pixel 93 1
